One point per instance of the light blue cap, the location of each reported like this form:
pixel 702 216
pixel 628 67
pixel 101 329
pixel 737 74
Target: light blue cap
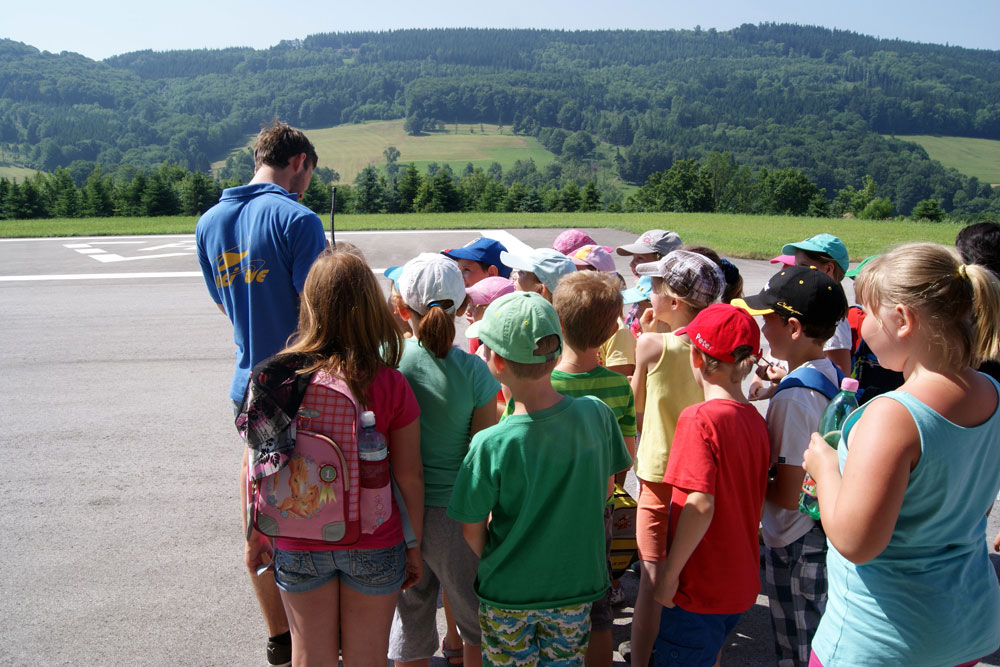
pixel 641 291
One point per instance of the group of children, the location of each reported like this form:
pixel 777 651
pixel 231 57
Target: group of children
pixel 522 436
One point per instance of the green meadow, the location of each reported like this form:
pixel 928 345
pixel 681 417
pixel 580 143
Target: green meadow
pixel 12 173
pixel 753 237
pixel 972 157
pixel 350 148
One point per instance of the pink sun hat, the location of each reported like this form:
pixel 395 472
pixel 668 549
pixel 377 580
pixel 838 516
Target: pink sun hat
pixel 571 239
pixel 489 289
pixel 594 256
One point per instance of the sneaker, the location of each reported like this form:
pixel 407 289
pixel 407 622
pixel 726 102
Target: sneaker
pixel 279 655
pixel 617 596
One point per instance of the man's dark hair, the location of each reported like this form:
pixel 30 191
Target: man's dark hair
pixel 980 244
pixel 278 143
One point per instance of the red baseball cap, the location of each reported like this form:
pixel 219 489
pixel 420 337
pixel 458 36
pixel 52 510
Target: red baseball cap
pixel 720 329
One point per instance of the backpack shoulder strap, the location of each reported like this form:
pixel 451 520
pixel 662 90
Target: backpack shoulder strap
pixel 810 378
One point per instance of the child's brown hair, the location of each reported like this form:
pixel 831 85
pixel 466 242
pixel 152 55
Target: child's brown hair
pixel 589 304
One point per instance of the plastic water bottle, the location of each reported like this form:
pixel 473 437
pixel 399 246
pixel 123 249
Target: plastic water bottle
pixel 373 454
pixel 830 426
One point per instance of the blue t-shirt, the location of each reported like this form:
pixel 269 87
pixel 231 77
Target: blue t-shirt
pixel 255 248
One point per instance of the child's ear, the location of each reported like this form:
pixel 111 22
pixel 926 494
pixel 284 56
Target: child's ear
pixel 492 270
pixel 697 360
pixel 794 328
pixel 404 312
pixel 905 320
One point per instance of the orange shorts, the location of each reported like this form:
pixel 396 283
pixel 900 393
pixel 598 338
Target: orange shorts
pixel 651 519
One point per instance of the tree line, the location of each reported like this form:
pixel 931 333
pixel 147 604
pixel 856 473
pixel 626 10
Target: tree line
pixel 775 96
pixel 716 184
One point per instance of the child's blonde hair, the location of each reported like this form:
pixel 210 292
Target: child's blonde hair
pixel 958 304
pixel 660 286
pixel 589 304
pixel 745 360
pixel 345 326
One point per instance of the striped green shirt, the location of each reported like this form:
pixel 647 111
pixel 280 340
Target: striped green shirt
pixel 612 388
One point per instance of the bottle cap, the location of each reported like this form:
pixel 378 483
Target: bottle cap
pixel 368 418
pixel 849 384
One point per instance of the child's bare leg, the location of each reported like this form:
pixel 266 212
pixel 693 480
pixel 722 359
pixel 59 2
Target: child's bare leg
pixel 600 649
pixel 646 613
pixel 452 640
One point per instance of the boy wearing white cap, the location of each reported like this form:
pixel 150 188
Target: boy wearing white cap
pixel 548 464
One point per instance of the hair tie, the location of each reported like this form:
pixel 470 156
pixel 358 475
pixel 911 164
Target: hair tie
pixel 963 272
pixel 730 271
pixel 433 304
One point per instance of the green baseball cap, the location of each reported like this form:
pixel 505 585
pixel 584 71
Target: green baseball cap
pixel 827 244
pixel 513 324
pixel 853 273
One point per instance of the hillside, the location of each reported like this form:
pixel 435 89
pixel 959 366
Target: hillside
pixel 972 157
pixel 774 96
pixel 350 148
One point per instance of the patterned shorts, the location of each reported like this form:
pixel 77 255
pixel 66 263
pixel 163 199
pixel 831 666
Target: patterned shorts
pixel 554 637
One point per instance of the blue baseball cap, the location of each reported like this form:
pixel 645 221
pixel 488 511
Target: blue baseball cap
pixel 641 291
pixel 482 250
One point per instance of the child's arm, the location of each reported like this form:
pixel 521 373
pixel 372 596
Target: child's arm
pixel 860 509
pixel 404 457
pixel 784 490
pixel 475 535
pixel 648 349
pixel 691 527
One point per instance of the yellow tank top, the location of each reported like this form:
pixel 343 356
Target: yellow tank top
pixel 670 387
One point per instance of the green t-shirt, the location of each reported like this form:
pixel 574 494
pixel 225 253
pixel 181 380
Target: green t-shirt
pixel 612 388
pixel 447 390
pixel 544 476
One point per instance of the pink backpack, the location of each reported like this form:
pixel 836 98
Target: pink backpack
pixel 317 495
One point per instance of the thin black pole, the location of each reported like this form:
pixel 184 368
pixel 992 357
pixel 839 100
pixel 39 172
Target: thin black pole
pixel 333 209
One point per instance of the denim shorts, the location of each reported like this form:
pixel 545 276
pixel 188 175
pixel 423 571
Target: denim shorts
pixel 368 571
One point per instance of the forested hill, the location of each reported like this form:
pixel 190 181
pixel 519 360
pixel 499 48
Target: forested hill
pixel 772 95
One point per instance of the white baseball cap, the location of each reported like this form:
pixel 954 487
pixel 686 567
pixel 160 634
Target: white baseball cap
pixel 431 279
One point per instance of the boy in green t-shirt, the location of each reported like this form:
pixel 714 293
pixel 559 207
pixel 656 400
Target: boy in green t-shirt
pixel 541 477
pixel 589 304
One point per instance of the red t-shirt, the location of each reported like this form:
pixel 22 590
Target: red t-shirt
pixel 720 447
pixel 394 406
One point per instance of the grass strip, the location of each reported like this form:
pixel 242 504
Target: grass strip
pixel 749 236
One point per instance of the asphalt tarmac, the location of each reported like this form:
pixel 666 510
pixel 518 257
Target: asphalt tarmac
pixel 121 531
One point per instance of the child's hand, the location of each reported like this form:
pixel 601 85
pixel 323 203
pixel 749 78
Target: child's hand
pixel 820 459
pixel 647 321
pixel 776 373
pixel 258 552
pixel 758 392
pixel 996 543
pixel 414 567
pixel 666 589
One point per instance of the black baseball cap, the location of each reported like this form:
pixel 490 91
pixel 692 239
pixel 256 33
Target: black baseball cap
pixel 802 292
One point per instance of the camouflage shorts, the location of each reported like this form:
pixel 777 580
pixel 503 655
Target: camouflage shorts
pixel 554 637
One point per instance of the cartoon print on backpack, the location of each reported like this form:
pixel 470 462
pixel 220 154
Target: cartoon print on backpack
pixel 304 499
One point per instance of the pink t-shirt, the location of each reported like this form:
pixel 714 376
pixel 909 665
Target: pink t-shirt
pixel 720 447
pixel 394 406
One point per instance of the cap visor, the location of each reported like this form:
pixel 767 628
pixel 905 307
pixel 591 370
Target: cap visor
pixel 648 269
pixel 517 262
pixel 634 249
pixel 681 331
pixel 632 295
pixel 752 305
pixel 473 330
pixel 462 253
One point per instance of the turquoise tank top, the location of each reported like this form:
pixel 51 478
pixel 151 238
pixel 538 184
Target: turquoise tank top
pixel 932 597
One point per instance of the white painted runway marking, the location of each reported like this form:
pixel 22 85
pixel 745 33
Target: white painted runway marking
pixel 101 276
pixel 106 257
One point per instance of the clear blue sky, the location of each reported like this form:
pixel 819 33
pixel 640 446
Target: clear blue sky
pixel 100 28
